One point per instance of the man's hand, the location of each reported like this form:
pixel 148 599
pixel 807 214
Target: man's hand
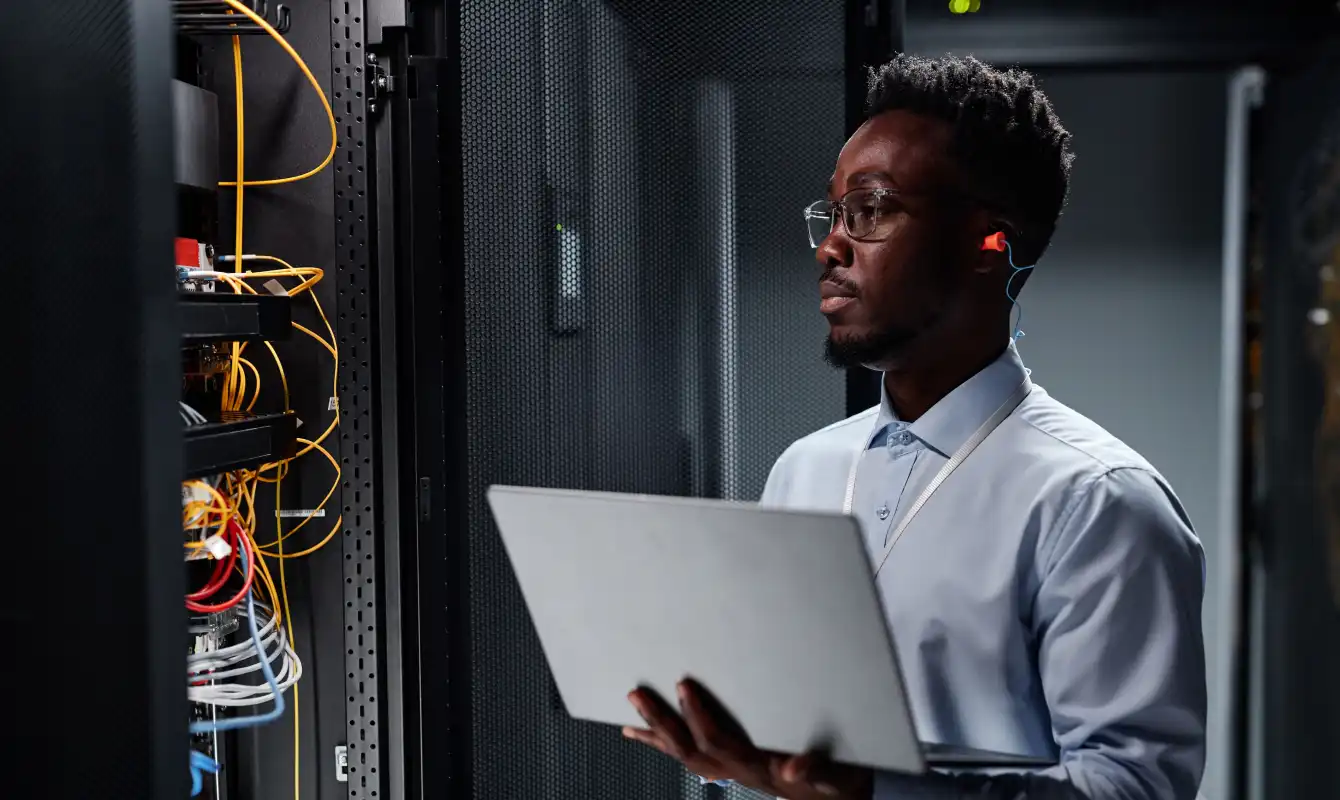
pixel 710 743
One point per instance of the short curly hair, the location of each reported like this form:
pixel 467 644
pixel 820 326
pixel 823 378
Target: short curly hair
pixel 1006 137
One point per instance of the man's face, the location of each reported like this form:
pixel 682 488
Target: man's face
pixel 900 271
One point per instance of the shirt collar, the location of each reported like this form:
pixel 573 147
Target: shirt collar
pixel 949 423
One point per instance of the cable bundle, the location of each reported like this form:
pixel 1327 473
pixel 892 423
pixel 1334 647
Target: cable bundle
pixel 213 675
pixel 189 416
pixel 271 682
pixel 220 516
pixel 200 762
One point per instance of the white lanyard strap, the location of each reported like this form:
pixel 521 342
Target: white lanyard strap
pixel 1004 411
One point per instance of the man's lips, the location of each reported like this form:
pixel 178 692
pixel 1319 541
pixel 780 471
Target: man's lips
pixel 834 298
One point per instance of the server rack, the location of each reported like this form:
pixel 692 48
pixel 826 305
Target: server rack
pixel 101 385
pixel 97 231
pixel 349 745
pixel 375 217
pixel 609 120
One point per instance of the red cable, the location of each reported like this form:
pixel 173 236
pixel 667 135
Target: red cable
pixel 241 593
pixel 223 567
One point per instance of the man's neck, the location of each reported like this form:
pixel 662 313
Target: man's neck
pixel 914 389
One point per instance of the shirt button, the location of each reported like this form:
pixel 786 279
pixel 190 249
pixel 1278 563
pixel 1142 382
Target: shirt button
pixel 882 512
pixel 904 438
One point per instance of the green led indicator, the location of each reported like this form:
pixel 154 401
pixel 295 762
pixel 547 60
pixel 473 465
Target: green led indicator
pixel 558 227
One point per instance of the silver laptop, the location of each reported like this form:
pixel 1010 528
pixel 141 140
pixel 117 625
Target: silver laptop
pixel 775 612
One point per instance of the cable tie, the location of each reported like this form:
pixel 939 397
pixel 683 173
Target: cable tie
pixel 218 547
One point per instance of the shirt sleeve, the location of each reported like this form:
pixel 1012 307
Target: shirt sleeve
pixel 778 485
pixel 1120 654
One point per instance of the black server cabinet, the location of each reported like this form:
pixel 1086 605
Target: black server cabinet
pixel 328 220
pixel 626 304
pixel 93 559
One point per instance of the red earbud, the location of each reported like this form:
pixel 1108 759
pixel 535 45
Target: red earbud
pixel 995 241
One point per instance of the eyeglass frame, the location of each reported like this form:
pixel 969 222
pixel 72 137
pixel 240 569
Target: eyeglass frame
pixel 839 205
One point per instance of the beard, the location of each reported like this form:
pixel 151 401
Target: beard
pixel 869 350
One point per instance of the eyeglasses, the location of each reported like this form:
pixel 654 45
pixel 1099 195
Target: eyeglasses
pixel 867 214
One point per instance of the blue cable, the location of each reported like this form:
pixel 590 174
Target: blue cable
pixel 211 726
pixel 1014 301
pixel 200 764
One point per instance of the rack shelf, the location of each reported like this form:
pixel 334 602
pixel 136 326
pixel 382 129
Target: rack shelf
pixel 238 441
pixel 208 317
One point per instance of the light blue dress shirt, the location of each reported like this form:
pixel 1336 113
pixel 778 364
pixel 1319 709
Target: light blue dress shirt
pixel 1046 600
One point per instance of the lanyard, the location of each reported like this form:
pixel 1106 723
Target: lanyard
pixel 1005 410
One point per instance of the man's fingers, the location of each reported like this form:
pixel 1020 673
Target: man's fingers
pixel 809 769
pixel 792 769
pixel 648 738
pixel 713 733
pixel 664 722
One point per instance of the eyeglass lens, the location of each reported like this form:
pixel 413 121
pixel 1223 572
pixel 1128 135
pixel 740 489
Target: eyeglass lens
pixel 861 213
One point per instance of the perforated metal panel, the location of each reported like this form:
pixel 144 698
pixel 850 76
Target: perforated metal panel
pixel 641 303
pixel 348 86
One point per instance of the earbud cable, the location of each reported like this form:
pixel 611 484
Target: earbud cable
pixel 1016 334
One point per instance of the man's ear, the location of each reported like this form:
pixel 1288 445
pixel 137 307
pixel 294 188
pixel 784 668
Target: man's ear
pixel 1006 227
pixel 999 243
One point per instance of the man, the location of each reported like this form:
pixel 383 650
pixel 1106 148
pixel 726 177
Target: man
pixel 1044 595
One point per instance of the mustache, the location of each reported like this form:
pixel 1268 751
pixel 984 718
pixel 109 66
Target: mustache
pixel 839 280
